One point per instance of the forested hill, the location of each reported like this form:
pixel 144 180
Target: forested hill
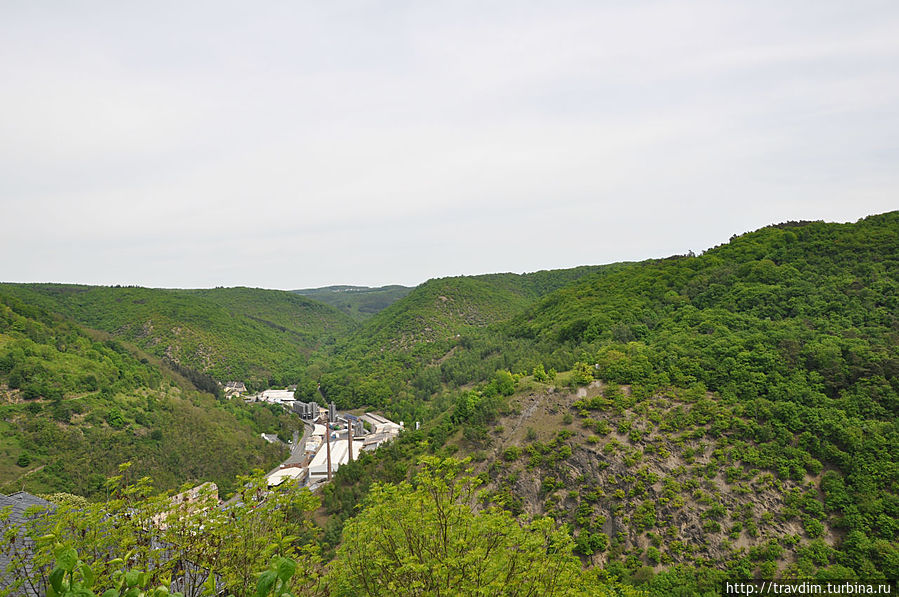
pixel 389 361
pixel 797 311
pixel 794 329
pixel 248 334
pixel 689 419
pixel 359 302
pixel 443 307
pixel 800 311
pixel 75 404
pixel 727 415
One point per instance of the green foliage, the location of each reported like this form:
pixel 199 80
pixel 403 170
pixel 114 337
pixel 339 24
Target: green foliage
pixel 441 335
pixel 582 374
pixel 588 543
pixel 425 539
pixel 503 383
pixel 135 541
pixel 775 357
pixel 73 437
pixel 795 325
pixel 780 346
pixel 259 336
pixel 73 578
pixel 276 580
pixel 645 516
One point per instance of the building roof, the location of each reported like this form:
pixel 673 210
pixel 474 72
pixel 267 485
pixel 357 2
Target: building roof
pixel 288 472
pixel 25 499
pixel 376 438
pixel 339 455
pixel 373 441
pixel 22 507
pixel 380 424
pixel 374 419
pixel 278 396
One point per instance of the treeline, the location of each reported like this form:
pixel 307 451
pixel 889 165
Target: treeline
pixel 251 335
pixel 410 538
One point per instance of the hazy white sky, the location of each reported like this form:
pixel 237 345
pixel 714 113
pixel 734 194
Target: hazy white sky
pixel 298 144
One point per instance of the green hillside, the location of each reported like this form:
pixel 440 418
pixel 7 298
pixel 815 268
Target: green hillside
pixel 359 302
pixel 443 307
pixel 392 361
pixel 686 420
pixel 252 335
pixel 73 406
pixel 741 422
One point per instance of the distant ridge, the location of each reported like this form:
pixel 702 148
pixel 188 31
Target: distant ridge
pixel 359 302
pixel 244 334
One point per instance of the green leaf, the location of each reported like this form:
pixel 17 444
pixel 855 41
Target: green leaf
pixel 56 579
pixel 209 584
pixel 286 568
pixel 132 578
pixel 266 582
pixel 66 558
pixel 110 593
pixel 88 575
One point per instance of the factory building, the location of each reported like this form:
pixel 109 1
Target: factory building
pixel 307 410
pixel 318 468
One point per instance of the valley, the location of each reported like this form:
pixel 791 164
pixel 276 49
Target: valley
pixel 682 421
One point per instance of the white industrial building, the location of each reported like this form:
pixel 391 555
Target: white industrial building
pixel 374 440
pixel 277 397
pixel 285 472
pixel 318 468
pixel 381 425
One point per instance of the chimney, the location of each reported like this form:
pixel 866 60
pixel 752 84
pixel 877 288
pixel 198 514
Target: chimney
pixel 349 427
pixel 328 443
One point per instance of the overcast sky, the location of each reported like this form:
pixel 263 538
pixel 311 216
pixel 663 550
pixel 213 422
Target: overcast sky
pixel 301 144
